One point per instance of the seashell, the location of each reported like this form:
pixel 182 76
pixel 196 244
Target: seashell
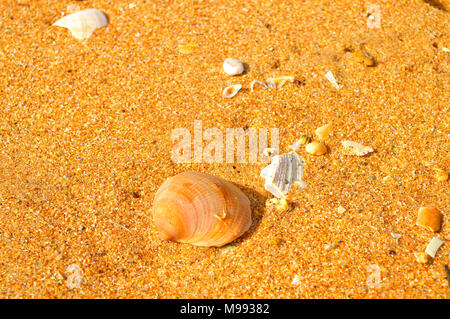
pixel 303 139
pixel 83 23
pixel 323 131
pixel 330 77
pixel 429 218
pixel 254 82
pixel 232 66
pixel 355 148
pixel 201 209
pixel 283 171
pixel 231 90
pixel 316 148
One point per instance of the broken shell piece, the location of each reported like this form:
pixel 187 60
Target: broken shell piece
pixel 252 85
pixel 330 77
pixel 304 139
pixel 316 148
pixel 429 218
pixel 440 175
pixel 186 48
pixel 361 56
pixel 433 246
pixel 232 66
pixel 323 131
pixel 283 171
pixel 422 258
pixel 354 148
pixel 281 205
pixel 231 90
pixel 272 82
pixel 341 210
pixel 83 23
pixel 269 151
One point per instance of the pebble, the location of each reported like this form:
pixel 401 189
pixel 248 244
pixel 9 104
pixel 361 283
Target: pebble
pixel 422 258
pixel 440 175
pixel 316 148
pixel 232 66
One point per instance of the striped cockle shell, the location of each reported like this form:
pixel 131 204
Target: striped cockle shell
pixel 83 23
pixel 201 209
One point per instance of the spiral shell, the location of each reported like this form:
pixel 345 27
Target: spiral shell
pixel 201 210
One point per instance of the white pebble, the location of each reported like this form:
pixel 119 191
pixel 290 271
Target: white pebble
pixel 233 66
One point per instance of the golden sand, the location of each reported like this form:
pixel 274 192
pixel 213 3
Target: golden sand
pixel 85 143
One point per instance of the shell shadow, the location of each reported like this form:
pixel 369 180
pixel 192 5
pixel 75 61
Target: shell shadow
pixel 246 68
pixel 257 205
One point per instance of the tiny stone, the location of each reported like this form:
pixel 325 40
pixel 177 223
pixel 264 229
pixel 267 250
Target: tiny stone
pixel 422 258
pixel 233 66
pixel 296 281
pixel 341 210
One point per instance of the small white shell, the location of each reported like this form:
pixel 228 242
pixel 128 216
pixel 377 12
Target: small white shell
pixel 231 90
pixel 433 246
pixel 355 148
pixel 232 66
pixel 83 23
pixel 285 170
pixel 330 77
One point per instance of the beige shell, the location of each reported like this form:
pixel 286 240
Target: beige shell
pixel 201 209
pixel 231 91
pixel 83 23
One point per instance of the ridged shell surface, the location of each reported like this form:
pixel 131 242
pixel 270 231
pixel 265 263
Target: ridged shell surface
pixel 201 209
pixel 83 23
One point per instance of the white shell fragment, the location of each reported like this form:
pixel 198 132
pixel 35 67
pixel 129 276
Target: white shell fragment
pixel 252 85
pixel 433 246
pixel 83 23
pixel 283 171
pixel 330 77
pixel 272 82
pixel 231 90
pixel 233 66
pixel 355 148
pixel 269 151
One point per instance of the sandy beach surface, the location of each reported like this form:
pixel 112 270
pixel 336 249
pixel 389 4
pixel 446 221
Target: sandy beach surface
pixel 85 142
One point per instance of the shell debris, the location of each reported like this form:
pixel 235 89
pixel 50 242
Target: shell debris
pixel 254 82
pixel 316 148
pixel 282 172
pixel 330 77
pixel 355 148
pixel 302 140
pixel 440 174
pixel 324 131
pixel 422 258
pixel 232 66
pixel 83 23
pixel 433 246
pixel 280 81
pixel 361 56
pixel 231 91
pixel 429 218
